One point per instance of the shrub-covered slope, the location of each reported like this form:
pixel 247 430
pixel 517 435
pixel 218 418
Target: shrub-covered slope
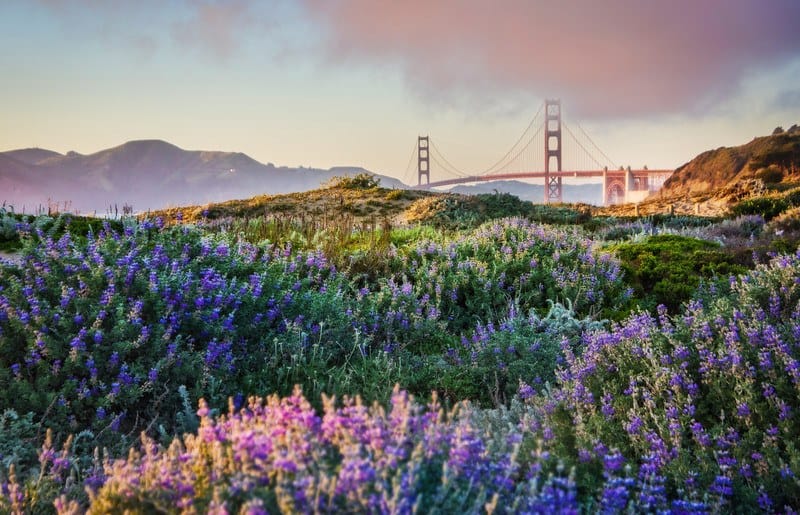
pixel 769 158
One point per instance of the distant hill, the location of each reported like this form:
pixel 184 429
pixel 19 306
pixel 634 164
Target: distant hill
pixel 147 174
pixel 32 156
pixel 573 193
pixel 770 158
pixel 15 180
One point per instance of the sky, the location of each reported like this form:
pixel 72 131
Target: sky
pixel 326 83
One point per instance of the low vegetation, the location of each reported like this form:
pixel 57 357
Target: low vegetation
pixel 667 269
pixel 361 349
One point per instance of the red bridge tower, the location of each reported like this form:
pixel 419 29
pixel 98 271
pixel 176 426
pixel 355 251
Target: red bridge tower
pixel 552 148
pixel 423 161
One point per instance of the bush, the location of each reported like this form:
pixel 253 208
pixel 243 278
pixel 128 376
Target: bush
pixel 121 332
pixel 792 197
pixel 490 365
pixel 770 175
pixel 667 269
pixel 470 211
pixel 106 337
pixel 739 229
pixel 475 276
pixel 8 226
pixel 703 402
pixel 279 455
pixel 766 207
pixel 397 195
pixel 558 214
pixel 788 222
pixel 361 181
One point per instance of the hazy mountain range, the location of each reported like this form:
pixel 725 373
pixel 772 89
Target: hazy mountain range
pixel 147 174
pixel 154 174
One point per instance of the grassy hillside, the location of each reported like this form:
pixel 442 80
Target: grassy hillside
pixel 361 201
pixel 770 159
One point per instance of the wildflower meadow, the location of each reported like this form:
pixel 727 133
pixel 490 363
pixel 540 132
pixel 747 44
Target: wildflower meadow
pixel 507 367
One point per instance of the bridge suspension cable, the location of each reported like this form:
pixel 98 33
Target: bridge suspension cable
pixel 506 167
pixel 444 163
pixel 524 161
pixel 611 161
pixel 409 175
pixel 502 164
pixel 577 141
pixel 494 168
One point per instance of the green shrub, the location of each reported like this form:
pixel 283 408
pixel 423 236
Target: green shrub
pixel 792 197
pixel 361 181
pixel 501 205
pixel 768 207
pixel 490 366
pixel 667 269
pixel 557 214
pixel 468 211
pixel 8 226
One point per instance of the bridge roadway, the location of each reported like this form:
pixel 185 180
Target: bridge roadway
pixel 609 174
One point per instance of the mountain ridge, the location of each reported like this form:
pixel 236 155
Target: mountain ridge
pixel 33 155
pixel 147 174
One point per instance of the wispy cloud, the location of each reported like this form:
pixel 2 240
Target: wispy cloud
pixel 787 99
pixel 214 26
pixel 607 59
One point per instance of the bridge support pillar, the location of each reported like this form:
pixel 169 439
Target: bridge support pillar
pixel 605 185
pixel 423 161
pixel 552 149
pixel 628 183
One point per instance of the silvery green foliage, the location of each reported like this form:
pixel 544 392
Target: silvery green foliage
pixel 16 439
pixel 562 319
pixel 8 225
pixel 186 419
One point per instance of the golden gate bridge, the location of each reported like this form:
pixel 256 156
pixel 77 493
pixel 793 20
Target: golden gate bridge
pixel 538 153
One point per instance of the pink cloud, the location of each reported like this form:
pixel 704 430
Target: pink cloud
pixel 607 58
pixel 214 26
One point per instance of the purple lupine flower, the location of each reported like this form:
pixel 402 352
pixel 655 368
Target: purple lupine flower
pixel 635 425
pixel 525 391
pixel 722 486
pixel 743 410
pixel 613 462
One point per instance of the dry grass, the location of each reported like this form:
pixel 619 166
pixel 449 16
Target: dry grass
pixel 325 206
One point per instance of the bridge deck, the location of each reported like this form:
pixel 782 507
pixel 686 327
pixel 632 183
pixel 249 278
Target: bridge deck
pixel 540 175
